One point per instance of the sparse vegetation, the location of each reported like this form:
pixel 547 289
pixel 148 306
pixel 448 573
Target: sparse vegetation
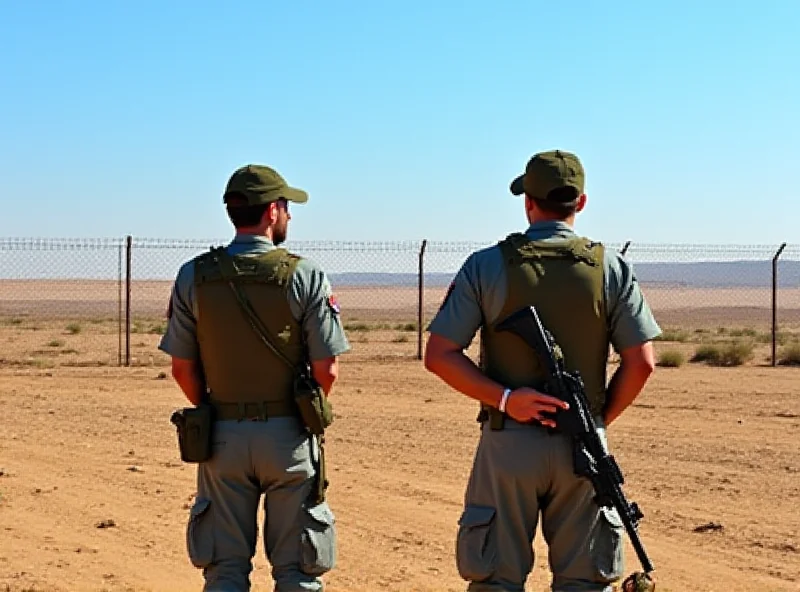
pixel 781 337
pixel 679 335
pixel 406 327
pixel 790 356
pixel 55 343
pixel 706 353
pixel 671 358
pixel 154 328
pixel 356 327
pixel 400 339
pixel 734 353
pixel 38 363
pixel 74 328
pixel 158 328
pixel 743 332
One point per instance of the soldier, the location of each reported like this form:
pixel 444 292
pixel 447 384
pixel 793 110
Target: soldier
pixel 588 297
pixel 248 376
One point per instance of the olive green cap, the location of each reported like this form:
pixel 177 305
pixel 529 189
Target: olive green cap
pixel 547 171
pixel 261 184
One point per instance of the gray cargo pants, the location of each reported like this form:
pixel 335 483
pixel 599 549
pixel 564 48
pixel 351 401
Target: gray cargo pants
pixel 251 458
pixel 519 473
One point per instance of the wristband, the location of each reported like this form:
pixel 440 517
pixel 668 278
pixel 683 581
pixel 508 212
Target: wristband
pixel 504 400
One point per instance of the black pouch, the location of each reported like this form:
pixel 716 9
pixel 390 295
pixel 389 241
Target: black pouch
pixel 195 432
pixel 315 409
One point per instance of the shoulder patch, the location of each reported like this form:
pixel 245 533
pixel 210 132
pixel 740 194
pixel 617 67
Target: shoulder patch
pixel 333 303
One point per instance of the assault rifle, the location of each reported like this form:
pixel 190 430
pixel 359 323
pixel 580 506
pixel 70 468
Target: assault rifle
pixel 590 458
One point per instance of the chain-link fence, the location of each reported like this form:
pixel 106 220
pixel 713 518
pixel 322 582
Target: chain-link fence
pixel 103 301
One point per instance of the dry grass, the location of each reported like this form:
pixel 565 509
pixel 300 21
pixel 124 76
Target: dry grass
pixel 670 359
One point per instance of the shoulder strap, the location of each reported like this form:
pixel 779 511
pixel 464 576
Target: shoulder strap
pixel 228 271
pixel 517 248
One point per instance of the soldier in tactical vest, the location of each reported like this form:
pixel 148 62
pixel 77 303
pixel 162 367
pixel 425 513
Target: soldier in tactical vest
pixel 244 322
pixel 588 297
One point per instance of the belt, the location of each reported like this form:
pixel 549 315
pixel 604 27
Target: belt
pixel 255 411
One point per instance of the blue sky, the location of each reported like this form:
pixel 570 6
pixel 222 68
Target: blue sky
pixel 403 120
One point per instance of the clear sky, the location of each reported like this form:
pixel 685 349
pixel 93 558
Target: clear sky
pixel 403 120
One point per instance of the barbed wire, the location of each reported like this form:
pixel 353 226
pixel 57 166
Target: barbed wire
pixel 68 300
pixel 54 244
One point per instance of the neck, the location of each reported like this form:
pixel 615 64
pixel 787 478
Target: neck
pixel 255 231
pixel 541 217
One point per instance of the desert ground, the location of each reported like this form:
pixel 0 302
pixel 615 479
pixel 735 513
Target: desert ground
pixel 93 495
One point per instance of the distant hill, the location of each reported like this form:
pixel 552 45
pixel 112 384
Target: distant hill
pixel 714 274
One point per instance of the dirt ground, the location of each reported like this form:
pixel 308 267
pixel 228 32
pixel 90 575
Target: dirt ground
pixel 93 495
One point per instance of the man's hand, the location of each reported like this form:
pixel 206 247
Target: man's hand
pixel 525 404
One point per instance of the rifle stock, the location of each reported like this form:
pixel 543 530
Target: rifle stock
pixel 590 457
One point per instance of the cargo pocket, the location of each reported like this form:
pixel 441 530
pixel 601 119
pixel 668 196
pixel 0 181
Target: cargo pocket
pixel 606 546
pixel 476 545
pixel 318 540
pixel 199 534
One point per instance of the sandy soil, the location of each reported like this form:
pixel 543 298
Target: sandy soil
pixel 85 442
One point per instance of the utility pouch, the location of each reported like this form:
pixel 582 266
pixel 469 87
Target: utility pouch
pixel 315 409
pixel 195 432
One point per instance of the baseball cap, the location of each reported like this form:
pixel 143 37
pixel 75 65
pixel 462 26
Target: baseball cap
pixel 261 184
pixel 547 171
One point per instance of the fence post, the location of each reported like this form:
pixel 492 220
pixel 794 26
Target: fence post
pixel 775 302
pixel 625 248
pixel 128 249
pixel 420 299
pixel 119 304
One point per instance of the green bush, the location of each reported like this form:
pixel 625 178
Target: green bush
pixel 679 335
pixel 790 355
pixel 735 353
pixel 706 353
pixel 670 358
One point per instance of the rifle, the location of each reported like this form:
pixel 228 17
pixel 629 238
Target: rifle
pixel 590 458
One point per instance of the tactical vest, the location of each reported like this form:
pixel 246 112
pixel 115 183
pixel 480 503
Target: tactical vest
pixel 239 367
pixel 563 279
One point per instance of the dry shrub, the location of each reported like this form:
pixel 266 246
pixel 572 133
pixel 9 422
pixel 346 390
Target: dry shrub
pixel 670 358
pixel 790 355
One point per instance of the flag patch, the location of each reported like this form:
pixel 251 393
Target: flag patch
pixel 333 302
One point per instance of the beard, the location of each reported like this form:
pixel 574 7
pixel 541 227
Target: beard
pixel 279 234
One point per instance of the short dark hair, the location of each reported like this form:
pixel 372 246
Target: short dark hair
pixel 241 214
pixel 562 202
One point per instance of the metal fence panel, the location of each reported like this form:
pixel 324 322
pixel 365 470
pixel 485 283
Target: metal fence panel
pixel 103 301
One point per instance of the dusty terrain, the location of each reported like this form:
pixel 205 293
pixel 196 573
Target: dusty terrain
pixel 93 495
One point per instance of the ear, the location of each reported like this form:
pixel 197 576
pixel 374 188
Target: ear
pixel 581 202
pixel 271 213
pixel 528 202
